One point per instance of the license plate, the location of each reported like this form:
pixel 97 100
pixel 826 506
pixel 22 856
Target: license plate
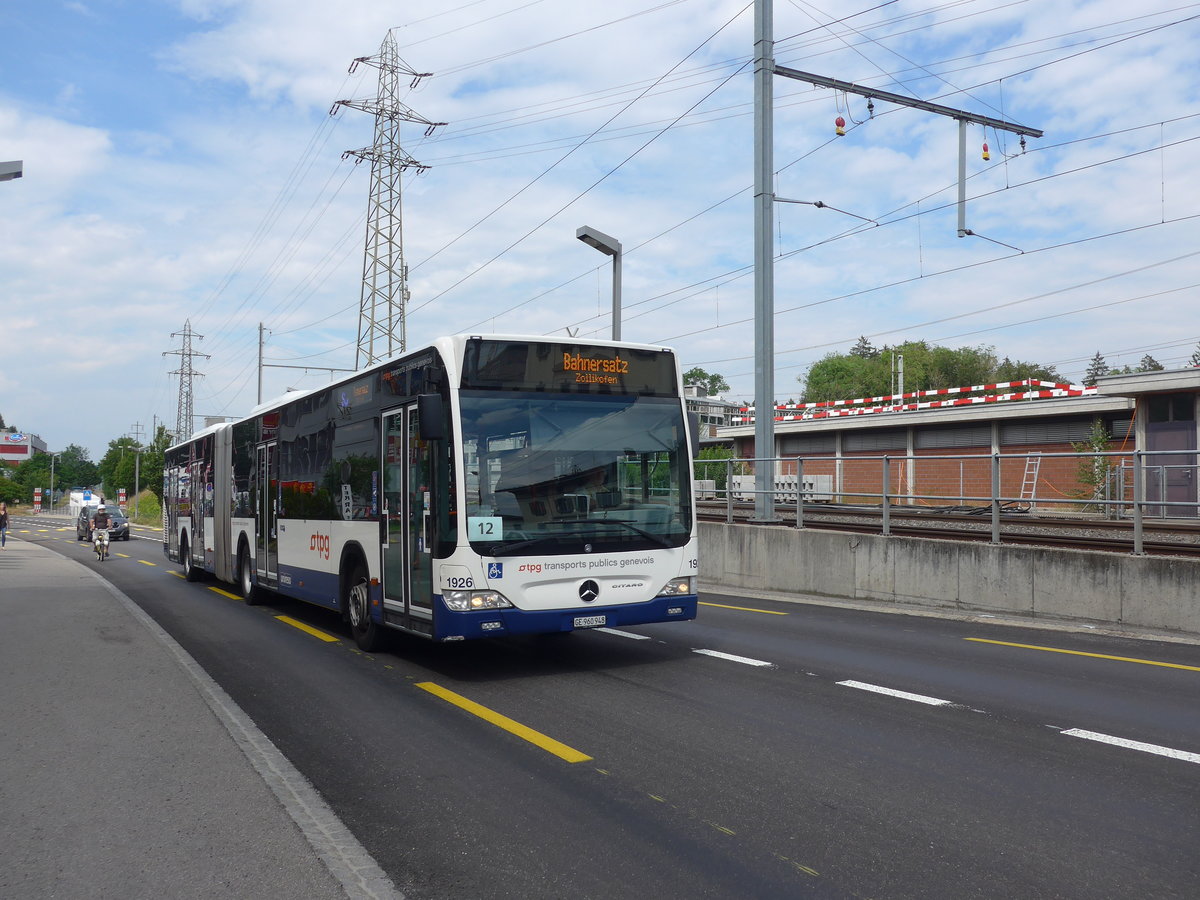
pixel 589 621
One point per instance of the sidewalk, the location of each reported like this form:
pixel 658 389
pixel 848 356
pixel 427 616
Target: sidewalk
pixel 126 772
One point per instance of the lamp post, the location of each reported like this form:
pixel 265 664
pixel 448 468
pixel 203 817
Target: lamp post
pixel 53 457
pixel 11 170
pixel 609 246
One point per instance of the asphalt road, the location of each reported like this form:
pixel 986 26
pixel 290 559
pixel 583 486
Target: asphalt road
pixel 768 749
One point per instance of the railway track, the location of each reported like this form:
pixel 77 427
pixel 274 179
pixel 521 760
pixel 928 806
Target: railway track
pixel 1016 528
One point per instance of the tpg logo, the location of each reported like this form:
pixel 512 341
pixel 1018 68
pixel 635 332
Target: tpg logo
pixel 320 543
pixel 535 568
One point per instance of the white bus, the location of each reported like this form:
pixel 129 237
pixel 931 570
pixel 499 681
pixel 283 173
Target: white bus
pixel 480 486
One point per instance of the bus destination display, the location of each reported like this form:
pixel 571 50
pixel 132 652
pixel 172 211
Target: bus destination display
pixel 574 368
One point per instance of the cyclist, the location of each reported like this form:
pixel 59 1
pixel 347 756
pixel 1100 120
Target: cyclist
pixel 100 520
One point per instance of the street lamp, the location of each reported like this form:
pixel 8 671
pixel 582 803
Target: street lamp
pixel 11 170
pixel 609 246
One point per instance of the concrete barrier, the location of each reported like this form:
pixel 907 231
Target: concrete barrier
pixel 1073 585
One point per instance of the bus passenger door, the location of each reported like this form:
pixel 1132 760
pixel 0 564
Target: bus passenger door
pixel 266 513
pixel 407 556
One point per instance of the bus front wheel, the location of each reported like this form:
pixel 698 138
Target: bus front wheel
pixel 367 632
pixel 246 586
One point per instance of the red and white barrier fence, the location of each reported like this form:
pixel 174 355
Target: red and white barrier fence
pixel 835 408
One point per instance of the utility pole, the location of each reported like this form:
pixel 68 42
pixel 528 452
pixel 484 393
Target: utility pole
pixel 764 200
pixel 260 367
pixel 764 263
pixel 381 325
pixel 186 372
pixel 136 431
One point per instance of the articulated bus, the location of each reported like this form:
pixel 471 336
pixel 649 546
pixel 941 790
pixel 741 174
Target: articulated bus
pixel 481 486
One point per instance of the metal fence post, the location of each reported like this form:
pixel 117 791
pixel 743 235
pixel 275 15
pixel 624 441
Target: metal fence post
pixel 887 487
pixel 995 498
pixel 799 492
pixel 1139 497
pixel 729 492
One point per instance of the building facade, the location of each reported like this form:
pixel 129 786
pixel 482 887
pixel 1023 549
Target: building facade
pixel 18 446
pixel 949 451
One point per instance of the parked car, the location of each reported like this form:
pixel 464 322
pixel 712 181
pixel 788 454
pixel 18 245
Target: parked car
pixel 117 531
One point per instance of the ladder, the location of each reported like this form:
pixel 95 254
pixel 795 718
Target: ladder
pixel 1029 484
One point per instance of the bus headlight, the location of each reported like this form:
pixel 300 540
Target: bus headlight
pixel 678 587
pixel 467 601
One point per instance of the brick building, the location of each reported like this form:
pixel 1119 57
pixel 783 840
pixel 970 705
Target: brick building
pixel 936 445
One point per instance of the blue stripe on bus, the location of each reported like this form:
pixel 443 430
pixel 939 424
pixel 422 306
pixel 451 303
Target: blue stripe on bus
pixel 310 586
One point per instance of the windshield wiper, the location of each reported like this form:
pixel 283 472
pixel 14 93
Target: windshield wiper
pixel 648 535
pixel 511 547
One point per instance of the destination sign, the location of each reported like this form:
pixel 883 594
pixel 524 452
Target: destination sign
pixel 571 368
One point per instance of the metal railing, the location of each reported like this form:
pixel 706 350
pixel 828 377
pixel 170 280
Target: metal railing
pixel 1133 485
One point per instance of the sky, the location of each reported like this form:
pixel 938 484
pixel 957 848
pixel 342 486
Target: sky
pixel 181 166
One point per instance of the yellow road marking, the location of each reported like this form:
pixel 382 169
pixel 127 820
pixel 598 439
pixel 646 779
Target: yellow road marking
pixel 173 572
pixel 1144 662
pixel 217 590
pixel 522 731
pixel 123 555
pixel 315 632
pixel 145 563
pixel 769 612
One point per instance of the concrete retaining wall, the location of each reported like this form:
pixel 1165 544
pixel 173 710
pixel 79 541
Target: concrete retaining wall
pixel 1140 591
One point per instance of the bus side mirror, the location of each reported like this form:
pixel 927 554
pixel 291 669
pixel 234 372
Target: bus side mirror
pixel 431 417
pixel 694 431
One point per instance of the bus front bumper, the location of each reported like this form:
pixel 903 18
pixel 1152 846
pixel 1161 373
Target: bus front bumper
pixel 458 626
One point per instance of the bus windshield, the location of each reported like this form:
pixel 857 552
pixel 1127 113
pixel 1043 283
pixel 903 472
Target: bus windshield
pixel 567 473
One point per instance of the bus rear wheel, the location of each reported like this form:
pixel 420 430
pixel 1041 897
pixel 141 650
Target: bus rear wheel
pixel 357 603
pixel 190 571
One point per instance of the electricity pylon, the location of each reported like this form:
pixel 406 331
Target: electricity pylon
pixel 183 420
pixel 381 327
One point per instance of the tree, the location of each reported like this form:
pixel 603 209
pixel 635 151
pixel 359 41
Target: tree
pixel 711 465
pixel 152 461
pixel 836 377
pixel 1016 370
pixel 32 473
pixel 1095 369
pixel 1149 364
pixel 864 348
pixel 75 468
pixel 1195 360
pixel 118 467
pixel 11 489
pixel 846 376
pixel 1094 470
pixel 714 383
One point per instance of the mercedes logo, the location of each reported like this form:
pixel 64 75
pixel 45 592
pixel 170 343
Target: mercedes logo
pixel 589 591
